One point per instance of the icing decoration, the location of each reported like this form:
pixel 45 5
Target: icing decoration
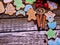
pixel 27 7
pixel 7 1
pixel 52 25
pixel 1 7
pixel 40 10
pixel 52 5
pixel 50 16
pixel 20 12
pixel 50 33
pixel 18 4
pixel 50 13
pixel 57 41
pixel 31 14
pixel 30 1
pixel 10 9
pixel 51 42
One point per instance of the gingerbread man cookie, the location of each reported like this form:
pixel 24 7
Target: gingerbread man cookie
pixel 7 1
pixel 18 4
pixel 30 1
pixel 1 7
pixel 31 14
pixel 10 9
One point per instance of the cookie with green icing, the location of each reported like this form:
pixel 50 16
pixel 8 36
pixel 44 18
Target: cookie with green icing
pixel 18 4
pixel 30 1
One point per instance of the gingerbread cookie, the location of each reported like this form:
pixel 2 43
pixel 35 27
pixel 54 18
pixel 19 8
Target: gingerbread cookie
pixel 10 9
pixel 30 1
pixel 7 1
pixel 18 4
pixel 31 14
pixel 20 12
pixel 1 7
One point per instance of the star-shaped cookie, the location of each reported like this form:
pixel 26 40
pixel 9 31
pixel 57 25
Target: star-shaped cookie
pixel 50 33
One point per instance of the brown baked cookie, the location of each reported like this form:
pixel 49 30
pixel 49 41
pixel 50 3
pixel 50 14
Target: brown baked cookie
pixel 10 9
pixel 1 7
pixel 31 14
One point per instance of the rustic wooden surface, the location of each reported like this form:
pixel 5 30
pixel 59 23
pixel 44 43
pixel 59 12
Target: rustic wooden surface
pixel 23 38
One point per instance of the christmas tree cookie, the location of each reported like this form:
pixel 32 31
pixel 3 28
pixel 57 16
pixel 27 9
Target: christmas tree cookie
pixel 10 9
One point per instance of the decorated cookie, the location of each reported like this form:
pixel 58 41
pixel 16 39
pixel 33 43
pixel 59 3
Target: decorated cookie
pixel 27 7
pixel 50 16
pixel 1 7
pixel 20 12
pixel 52 5
pixel 30 1
pixel 7 1
pixel 31 14
pixel 57 40
pixel 50 33
pixel 10 9
pixel 52 25
pixel 40 10
pixel 18 4
pixel 50 13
